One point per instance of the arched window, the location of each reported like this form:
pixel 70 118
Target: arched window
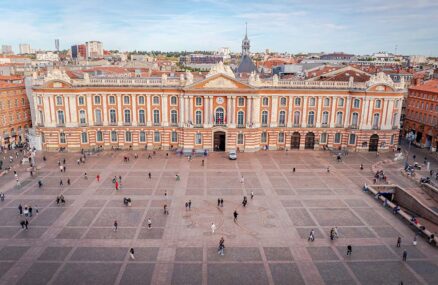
pixel 126 100
pixel 127 118
pixel 338 137
pixel 141 117
pixel 339 119
pixel 326 102
pixel 98 116
pixel 62 137
pixel 113 136
pixel 173 100
pixel 296 118
pixel 112 100
pixel 323 138
pixel 157 136
pixel 283 101
pixel 61 119
pixel 82 117
pixel 241 101
pixel 379 103
pixel 174 137
pixel 128 136
pixel 97 100
pixel 141 100
pixel 81 100
pixel 341 102
pixel 311 118
pixel 173 117
pixel 156 117
pixel 113 116
pixel 265 101
pixel 155 100
pixel 356 103
pixel 325 118
pixel 99 136
pixel 240 118
pixel 376 119
pixel 354 120
pixel 312 102
pixel 264 118
pixel 219 117
pixel 198 117
pixel 282 118
pixel 58 100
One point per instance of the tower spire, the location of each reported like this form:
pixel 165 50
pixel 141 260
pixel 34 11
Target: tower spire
pixel 246 29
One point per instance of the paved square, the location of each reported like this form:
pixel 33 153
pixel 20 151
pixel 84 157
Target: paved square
pixel 76 244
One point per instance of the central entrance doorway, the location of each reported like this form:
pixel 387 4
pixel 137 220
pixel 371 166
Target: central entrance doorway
pixel 374 143
pixel 295 141
pixel 310 141
pixel 219 141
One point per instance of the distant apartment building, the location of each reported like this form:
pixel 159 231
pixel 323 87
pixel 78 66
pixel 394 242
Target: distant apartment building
pixel 200 59
pixel 141 58
pixel 79 51
pixel 15 118
pixel 94 49
pixel 337 56
pixel 7 49
pixel 25 49
pixel 47 56
pixel 422 114
pixel 57 44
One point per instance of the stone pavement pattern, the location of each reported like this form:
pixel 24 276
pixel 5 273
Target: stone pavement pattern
pixel 75 243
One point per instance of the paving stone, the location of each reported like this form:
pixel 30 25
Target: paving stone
pixel 137 273
pixel 278 254
pixel 426 269
pixel 300 217
pixel 39 273
pixel 4 267
pixel 236 274
pixel 12 252
pixel 8 232
pixel 88 273
pixel 146 253
pixel 109 233
pixel 322 253
pixel 47 217
pixel 370 252
pixel 126 217
pixel 188 254
pixel 334 273
pixel 32 233
pixel 335 217
pixel 55 253
pixel 99 254
pixel 235 254
pixel 84 217
pixel 187 274
pixel 285 273
pixel 153 233
pixel 71 233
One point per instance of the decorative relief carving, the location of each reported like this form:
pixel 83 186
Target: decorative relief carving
pixel 220 82
pixel 57 74
pixel 380 78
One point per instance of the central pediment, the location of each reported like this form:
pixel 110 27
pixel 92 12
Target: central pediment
pixel 219 81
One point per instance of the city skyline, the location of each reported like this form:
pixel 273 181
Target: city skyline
pixel 362 27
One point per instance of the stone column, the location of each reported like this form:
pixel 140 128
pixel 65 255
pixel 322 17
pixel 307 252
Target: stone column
pixel 370 114
pixel 186 109
pixel 148 111
pixel 249 110
pixel 228 114
pixel 90 114
pixel 119 110
pixel 181 111
pixel 388 113
pixel 134 110
pixel 304 114
pixel 290 114
pixel 205 111
pixel 67 103
pixel 104 110
pixel 190 117
pixel 256 108
pixel 164 108
pixel 347 113
pixel 211 111
pixel 319 112
pixel 274 111
pixel 333 112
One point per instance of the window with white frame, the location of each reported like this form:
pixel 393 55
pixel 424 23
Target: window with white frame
pixel 174 137
pixel 113 116
pixel 142 136
pixel 81 101
pixel 173 117
pixel 84 137
pixel 265 101
pixel 113 136
pixel 241 101
pixel 173 101
pixel 325 118
pixel 198 138
pixel 311 118
pixel 58 100
pixel 97 100
pixel 296 118
pixel 141 100
pixel 128 136
pixel 376 119
pixel 265 118
pixel 297 101
pixel 395 120
pixel 281 137
pixel 61 118
pixel 198 101
pixel 156 100
pixel 127 116
pixel 240 118
pixel 126 100
pixel 62 138
pixel 198 117
pixel 82 117
pixel 112 100
pixel 323 138
pixel 282 118
pixel 326 102
pixel 156 117
pixel 157 136
pixel 99 136
pixel 378 104
pixel 356 103
pixel 240 138
pixel 341 102
pixel 338 137
pixel 312 102
pixel 339 118
pixel 98 116
pixel 392 139
pixel 352 139
pixel 283 101
pixel 142 117
pixel 263 137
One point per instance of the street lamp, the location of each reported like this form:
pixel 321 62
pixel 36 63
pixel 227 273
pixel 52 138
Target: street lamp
pixel 411 136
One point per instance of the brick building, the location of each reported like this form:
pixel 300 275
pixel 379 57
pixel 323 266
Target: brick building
pixel 422 113
pixel 15 118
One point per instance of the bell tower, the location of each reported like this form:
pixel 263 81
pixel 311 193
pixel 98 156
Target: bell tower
pixel 245 42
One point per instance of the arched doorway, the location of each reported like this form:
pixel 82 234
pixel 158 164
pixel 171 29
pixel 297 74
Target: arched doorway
pixel 374 143
pixel 219 141
pixel 295 141
pixel 310 141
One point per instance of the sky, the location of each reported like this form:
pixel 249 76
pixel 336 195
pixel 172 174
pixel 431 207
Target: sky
pixel 352 26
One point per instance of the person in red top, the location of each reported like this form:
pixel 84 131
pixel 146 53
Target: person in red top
pixel 117 185
pixel 98 177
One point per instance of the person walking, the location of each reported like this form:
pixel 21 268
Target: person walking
pixel 61 168
pixel 311 236
pixel 166 212
pixel 20 209
pixel 177 178
pixel 349 249
pixel 30 211
pixel 117 185
pixel 131 253
pixel 218 202
pixel 85 175
pixel 235 214
pixel 202 163
pixel 405 255
pixel 328 169
pixel 221 246
pixel 398 241
pixel 150 175
pixel 98 177
pixel 26 224
pixel 2 196
pixel 252 195
pixel 222 202
pixel 68 181
pixel 22 224
pixel 115 225
pixel 187 205
pixel 190 205
pixel 293 170
pixel 149 223
pixel 242 180
pixel 414 242
pixel 61 183
pixel 213 228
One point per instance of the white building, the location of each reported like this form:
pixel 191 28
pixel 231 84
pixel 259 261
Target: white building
pixel 94 49
pixel 7 49
pixel 47 56
pixel 25 49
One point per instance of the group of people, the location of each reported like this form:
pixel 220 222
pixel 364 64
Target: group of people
pixel 27 212
pixel 60 200
pixel 379 176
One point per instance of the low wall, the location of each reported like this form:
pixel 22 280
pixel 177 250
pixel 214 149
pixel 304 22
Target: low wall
pixel 406 200
pixel 430 190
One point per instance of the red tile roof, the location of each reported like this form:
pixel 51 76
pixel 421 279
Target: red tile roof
pixel 428 86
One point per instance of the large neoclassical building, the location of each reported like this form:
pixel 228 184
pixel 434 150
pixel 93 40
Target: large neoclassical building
pixel 217 112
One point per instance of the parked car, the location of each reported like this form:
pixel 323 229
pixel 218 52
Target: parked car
pixel 232 155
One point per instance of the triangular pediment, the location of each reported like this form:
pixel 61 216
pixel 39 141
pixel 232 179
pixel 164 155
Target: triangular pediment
pixel 219 81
